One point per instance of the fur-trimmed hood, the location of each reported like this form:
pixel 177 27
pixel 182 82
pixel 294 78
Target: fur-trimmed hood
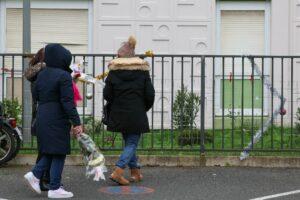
pixel 32 71
pixel 134 63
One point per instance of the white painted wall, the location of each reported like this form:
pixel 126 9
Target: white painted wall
pixel 294 47
pixel 2 38
pixel 166 27
pixel 295 26
pixel 285 32
pixel 178 27
pixel 280 27
pixel 2 25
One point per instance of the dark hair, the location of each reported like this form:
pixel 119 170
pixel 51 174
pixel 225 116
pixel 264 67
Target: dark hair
pixel 38 57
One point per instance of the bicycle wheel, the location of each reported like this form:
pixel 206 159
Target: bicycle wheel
pixel 17 147
pixel 7 144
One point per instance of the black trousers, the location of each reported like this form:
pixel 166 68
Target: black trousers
pixel 46 176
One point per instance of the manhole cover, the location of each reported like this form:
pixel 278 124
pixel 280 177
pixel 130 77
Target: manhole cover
pixel 126 190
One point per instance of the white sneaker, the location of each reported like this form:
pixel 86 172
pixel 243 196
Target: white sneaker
pixel 59 194
pixel 33 182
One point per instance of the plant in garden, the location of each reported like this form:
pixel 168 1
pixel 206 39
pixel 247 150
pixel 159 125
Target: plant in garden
pixel 236 119
pixel 185 111
pixel 12 109
pixel 234 116
pixel 89 123
pixel 298 121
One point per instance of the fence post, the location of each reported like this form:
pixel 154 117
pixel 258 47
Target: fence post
pixel 202 122
pixel 26 103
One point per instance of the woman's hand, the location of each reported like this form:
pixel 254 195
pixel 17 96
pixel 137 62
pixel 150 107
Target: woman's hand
pixel 77 130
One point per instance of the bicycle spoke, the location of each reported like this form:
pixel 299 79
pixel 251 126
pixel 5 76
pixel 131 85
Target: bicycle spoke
pixel 2 137
pixel 3 151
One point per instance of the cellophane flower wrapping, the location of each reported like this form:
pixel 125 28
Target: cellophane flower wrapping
pixel 93 158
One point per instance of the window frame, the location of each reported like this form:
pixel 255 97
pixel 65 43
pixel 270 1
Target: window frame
pixel 17 74
pixel 247 111
pixel 242 6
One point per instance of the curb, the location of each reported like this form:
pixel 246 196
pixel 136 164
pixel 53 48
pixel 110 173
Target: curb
pixel 183 161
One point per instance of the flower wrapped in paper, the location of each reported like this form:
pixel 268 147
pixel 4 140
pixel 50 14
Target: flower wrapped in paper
pixel 86 78
pixel 93 158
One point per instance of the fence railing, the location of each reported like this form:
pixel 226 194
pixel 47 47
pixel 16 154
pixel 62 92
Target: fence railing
pixel 203 102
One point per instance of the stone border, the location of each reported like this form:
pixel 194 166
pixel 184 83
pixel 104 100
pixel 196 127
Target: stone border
pixel 183 161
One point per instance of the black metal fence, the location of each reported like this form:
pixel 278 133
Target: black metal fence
pixel 203 102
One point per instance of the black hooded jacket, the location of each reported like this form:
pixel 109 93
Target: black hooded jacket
pixel 129 89
pixel 56 109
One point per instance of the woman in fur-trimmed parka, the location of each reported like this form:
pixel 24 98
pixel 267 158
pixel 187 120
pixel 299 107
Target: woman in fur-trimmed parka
pixel 130 93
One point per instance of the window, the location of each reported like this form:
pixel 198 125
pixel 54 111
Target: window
pixel 242 29
pixel 228 101
pixel 14 90
pixel 47 26
pixel 242 32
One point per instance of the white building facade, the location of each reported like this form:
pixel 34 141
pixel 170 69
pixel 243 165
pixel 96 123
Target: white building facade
pixel 172 27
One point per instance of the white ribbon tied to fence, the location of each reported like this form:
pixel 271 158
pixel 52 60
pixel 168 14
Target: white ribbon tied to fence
pixel 276 112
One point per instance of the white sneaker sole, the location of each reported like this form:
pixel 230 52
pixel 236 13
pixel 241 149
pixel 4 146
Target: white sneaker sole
pixel 30 186
pixel 61 197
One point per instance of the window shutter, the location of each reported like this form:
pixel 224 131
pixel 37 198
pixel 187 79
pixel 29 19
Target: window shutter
pixel 242 33
pixel 68 27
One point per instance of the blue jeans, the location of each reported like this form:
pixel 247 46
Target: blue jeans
pixel 56 165
pixel 128 157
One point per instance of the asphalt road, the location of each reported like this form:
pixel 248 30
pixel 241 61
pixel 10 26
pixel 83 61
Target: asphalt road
pixel 168 184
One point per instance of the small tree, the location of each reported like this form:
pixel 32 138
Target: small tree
pixel 185 109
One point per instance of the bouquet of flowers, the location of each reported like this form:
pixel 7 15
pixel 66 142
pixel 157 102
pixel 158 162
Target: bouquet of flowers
pixel 90 79
pixel 93 158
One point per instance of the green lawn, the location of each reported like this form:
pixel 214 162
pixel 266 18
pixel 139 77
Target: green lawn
pixel 177 142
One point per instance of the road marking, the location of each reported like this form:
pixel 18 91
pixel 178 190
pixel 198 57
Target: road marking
pixel 277 195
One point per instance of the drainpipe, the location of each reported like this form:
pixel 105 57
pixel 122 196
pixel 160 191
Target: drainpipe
pixel 26 102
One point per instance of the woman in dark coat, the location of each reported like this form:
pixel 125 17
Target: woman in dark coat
pixel 36 65
pixel 130 93
pixel 55 115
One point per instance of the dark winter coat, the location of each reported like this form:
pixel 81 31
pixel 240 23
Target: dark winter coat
pixel 129 89
pixel 56 108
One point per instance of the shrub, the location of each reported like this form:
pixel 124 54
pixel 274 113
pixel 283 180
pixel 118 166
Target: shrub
pixel 298 121
pixel 193 137
pixel 12 109
pixel 88 125
pixel 185 109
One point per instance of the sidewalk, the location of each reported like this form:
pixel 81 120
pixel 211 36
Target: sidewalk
pixel 183 161
pixel 168 183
